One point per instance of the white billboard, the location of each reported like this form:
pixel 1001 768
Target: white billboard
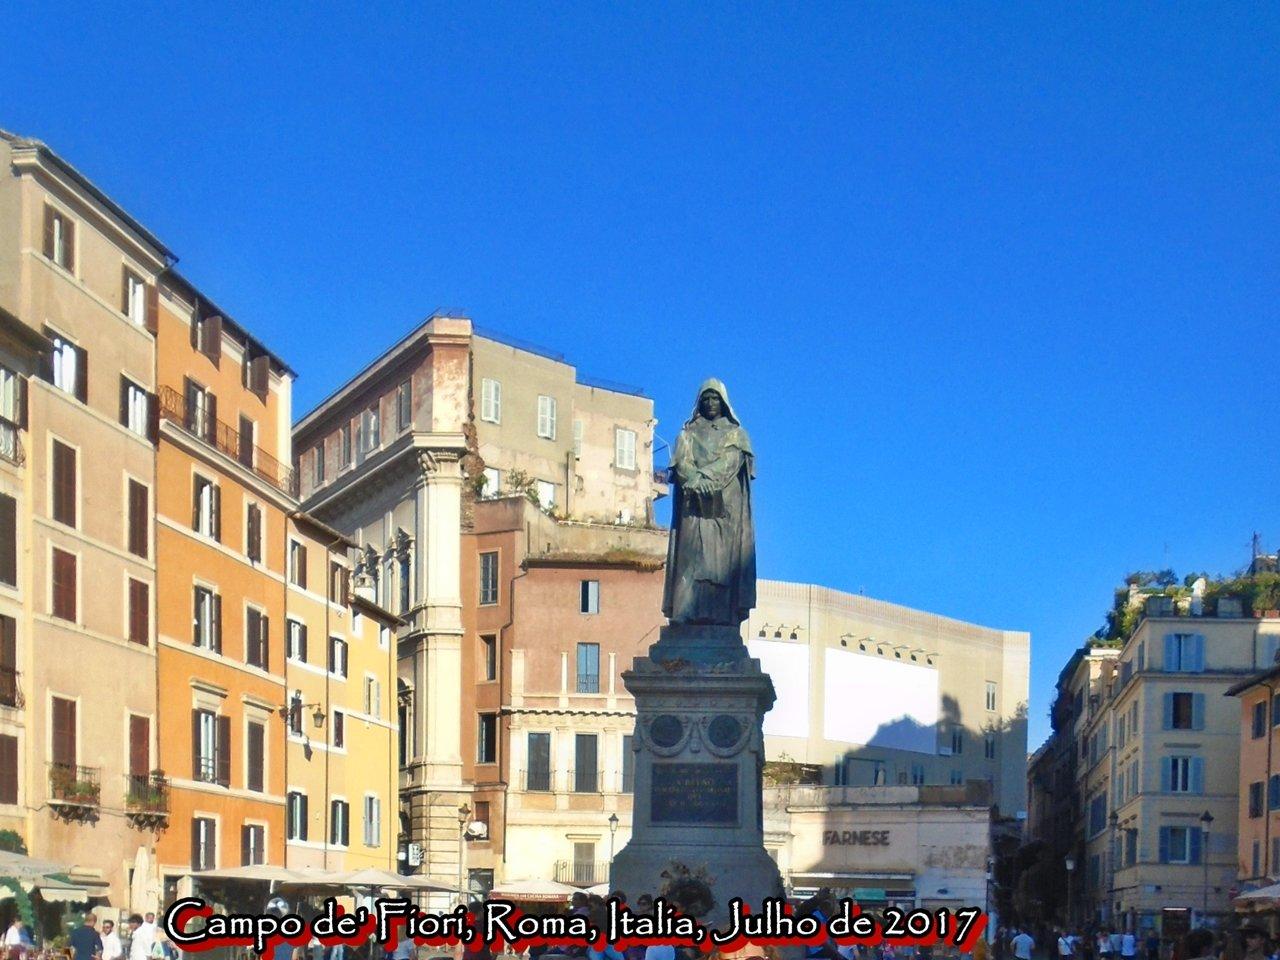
pixel 879 702
pixel 787 664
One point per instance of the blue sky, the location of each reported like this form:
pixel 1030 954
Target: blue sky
pixel 994 287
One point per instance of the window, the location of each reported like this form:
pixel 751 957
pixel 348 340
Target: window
pixel 1097 814
pixel 207 620
pixel 338 656
pixel 204 851
pixel 487 739
pixel 957 741
pixel 624 449
pixel 60 238
pixel 489 657
pixel 584 862
pixel 339 726
pixel 63 480
pixel 317 464
pixel 628 763
pixel 538 774
pixel 201 413
pixel 210 747
pixel 1255 799
pixel 139 612
pixel 255 750
pixel 1259 719
pixel 257 639
pixel 296 815
pixel 917 774
pixel 372 697
pixel 8 540
pixel 488 578
pixel 296 642
pixel 1180 845
pixel 67 367
pixel 491 484
pixel 339 823
pixel 255 371
pixel 490 400
pixel 546 494
pixel 8 663
pixel 253 841
pixel 133 296
pixel 345 444
pixel 547 417
pixel 1130 847
pixel 957 778
pixel 247 439
pixel 206 508
pixel 586 776
pixel 372 821
pixel 64 584
pixel 65 732
pixel 590 596
pixel 989 746
pixel 297 564
pixel 139 526
pixel 8 769
pixel 135 408
pixel 1273 792
pixel 406 583
pixel 1182 775
pixel 1184 711
pixel 370 427
pixel 1184 653
pixel 991 695
pixel 339 583
pixel 577 439
pixel 253 533
pixel 404 405
pixel 588 668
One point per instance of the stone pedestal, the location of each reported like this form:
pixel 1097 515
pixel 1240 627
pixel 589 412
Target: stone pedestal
pixel 700 700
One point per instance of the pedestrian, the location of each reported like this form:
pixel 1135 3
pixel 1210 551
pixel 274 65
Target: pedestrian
pixel 139 942
pixel 112 948
pixel 16 936
pixel 1253 940
pixel 85 940
pixel 1199 945
pixel 1022 945
pixel 1128 945
pixel 1066 945
pixel 1153 945
pixel 1103 945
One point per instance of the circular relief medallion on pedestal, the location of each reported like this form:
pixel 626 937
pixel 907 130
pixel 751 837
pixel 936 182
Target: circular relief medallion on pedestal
pixel 724 731
pixel 666 730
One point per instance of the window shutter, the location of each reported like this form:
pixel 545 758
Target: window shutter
pixel 69 228
pixel 153 308
pixel 1193 843
pixel 245 845
pixel 302 566
pixel 224 751
pixel 213 338
pixel 1168 711
pixel 217 513
pixel 64 731
pixel 264 643
pixel 211 421
pixel 8 769
pixel 189 391
pixel 305 818
pixel 255 750
pixel 82 375
pixel 302 641
pixel 346 825
pixel 139 746
pixel 1170 654
pixel 195 745
pixel 1197 711
pixel 217 623
pixel 49 217
pixel 124 291
pixel 1164 844
pixel 1166 774
pixel 1273 791
pixel 195 616
pixel 153 418
pixel 1197 645
pixel 139 612
pixel 138 518
pixel 195 844
pixel 8 539
pixel 1197 775
pixel 124 401
pixel 22 403
pixel 195 327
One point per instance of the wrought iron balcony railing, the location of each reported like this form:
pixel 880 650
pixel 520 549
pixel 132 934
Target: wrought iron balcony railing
pixel 10 691
pixel 11 443
pixel 73 784
pixel 146 793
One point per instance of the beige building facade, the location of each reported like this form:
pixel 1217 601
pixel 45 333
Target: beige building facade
pixel 880 694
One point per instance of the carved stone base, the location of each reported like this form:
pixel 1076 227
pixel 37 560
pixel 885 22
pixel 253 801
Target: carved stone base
pixel 700 701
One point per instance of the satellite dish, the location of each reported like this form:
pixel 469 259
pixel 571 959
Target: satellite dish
pixel 477 830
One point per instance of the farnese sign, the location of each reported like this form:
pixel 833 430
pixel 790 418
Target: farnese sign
pixel 855 838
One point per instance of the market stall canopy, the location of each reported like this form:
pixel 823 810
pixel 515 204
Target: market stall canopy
pixel 1261 898
pixel 373 877
pixel 22 867
pixel 534 890
pixel 261 872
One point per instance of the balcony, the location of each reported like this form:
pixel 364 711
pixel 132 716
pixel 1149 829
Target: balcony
pixel 74 791
pixel 11 443
pixel 226 439
pixel 146 798
pixel 582 873
pixel 10 690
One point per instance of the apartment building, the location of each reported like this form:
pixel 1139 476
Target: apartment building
pixel 400 459
pixel 77 640
pixel 1157 747
pixel 341 723
pixel 1258 810
pixel 880 694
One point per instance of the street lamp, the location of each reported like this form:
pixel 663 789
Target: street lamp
pixel 1206 819
pixel 464 817
pixel 1071 866
pixel 613 829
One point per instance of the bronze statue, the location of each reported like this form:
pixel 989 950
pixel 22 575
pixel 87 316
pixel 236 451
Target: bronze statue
pixel 711 556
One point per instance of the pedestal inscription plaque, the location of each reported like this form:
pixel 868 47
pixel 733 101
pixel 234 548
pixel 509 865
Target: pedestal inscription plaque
pixel 702 793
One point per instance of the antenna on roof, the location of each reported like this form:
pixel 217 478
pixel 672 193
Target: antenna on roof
pixel 1257 546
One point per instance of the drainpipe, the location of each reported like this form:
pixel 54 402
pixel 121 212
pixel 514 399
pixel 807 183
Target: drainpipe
pixel 1266 820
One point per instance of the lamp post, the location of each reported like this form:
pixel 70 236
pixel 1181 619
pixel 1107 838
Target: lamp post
pixel 613 829
pixel 464 817
pixel 1206 820
pixel 1070 863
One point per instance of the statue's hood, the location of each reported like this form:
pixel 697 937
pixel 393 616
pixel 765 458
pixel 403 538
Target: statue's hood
pixel 712 383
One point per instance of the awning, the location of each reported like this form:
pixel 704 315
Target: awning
pixel 537 891
pixel 57 891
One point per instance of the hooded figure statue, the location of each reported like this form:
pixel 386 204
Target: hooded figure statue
pixel 711 555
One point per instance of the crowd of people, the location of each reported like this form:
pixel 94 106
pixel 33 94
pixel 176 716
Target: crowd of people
pixel 142 940
pixel 1246 943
